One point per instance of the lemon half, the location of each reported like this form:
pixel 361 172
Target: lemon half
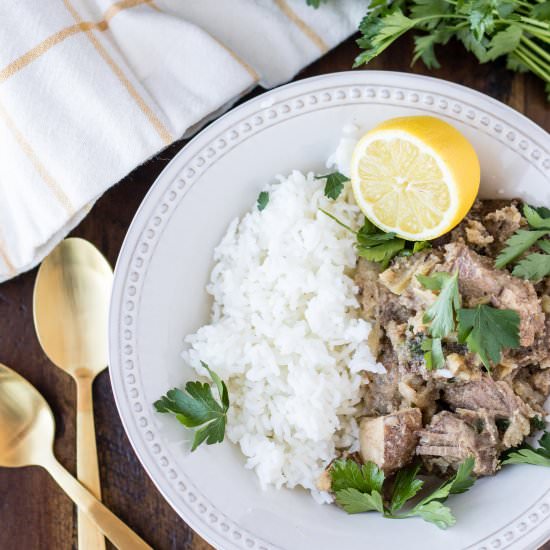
pixel 416 176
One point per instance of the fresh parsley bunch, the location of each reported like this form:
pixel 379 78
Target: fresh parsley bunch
pixel 196 407
pixel 362 488
pixel 516 29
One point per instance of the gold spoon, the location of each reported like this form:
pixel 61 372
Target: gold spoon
pixel 71 307
pixel 27 431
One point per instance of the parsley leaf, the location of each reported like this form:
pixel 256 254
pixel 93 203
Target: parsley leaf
pixel 441 315
pixel 424 49
pixel 354 502
pixel 541 11
pixel 314 3
pixel 437 513
pixel 382 253
pixel 460 483
pixel 534 267
pixel 463 479
pixel 347 474
pixel 406 486
pixel 528 455
pixel 196 406
pixel 334 185
pixel 504 42
pixel 537 218
pixel 433 356
pixel 263 199
pixel 516 245
pixel 357 489
pixel 380 32
pixel 544 245
pixel 487 331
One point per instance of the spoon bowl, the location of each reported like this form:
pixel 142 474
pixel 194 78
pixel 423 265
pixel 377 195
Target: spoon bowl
pixel 71 307
pixel 27 430
pixel 26 422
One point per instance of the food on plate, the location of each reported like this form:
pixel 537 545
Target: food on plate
pixel 415 176
pixel 356 359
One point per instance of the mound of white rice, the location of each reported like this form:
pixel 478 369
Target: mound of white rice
pixel 285 332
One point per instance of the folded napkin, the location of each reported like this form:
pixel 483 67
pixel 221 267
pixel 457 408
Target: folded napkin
pixel 90 89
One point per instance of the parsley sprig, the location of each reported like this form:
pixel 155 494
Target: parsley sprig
pixel 440 316
pixel 486 330
pixel 360 489
pixel 196 406
pixel 376 245
pixel 334 184
pixel 528 455
pixel 534 266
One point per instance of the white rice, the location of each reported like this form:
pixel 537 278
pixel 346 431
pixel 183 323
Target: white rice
pixel 285 332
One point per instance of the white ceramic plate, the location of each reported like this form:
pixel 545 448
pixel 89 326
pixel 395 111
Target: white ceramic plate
pixel 159 297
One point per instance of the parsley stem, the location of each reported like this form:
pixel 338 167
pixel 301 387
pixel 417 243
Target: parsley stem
pixel 534 58
pixel 342 224
pixel 543 34
pixel 534 46
pixel 529 61
pixel 535 22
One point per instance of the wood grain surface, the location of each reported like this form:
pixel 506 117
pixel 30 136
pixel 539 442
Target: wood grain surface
pixel 34 513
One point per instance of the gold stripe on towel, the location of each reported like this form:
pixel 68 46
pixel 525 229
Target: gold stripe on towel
pixel 41 48
pixel 124 5
pixel 152 4
pixel 146 110
pixel 67 32
pixel 255 76
pixel 58 193
pixel 302 25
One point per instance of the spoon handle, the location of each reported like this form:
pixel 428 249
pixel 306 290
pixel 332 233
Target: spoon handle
pixel 87 469
pixel 112 527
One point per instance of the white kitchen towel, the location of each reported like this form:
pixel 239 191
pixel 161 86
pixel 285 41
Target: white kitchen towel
pixel 90 89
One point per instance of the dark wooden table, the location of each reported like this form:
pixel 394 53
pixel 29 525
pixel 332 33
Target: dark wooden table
pixel 34 512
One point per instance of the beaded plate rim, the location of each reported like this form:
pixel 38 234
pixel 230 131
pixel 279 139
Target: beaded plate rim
pixel 185 170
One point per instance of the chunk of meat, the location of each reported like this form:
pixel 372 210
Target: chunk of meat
pixel 540 380
pixel 400 279
pixel 503 223
pixel 420 393
pixel 479 282
pixel 498 399
pixel 389 441
pixel 451 438
pixel 538 352
pixel 377 302
pixel 477 234
pixel 366 278
pixel 381 392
